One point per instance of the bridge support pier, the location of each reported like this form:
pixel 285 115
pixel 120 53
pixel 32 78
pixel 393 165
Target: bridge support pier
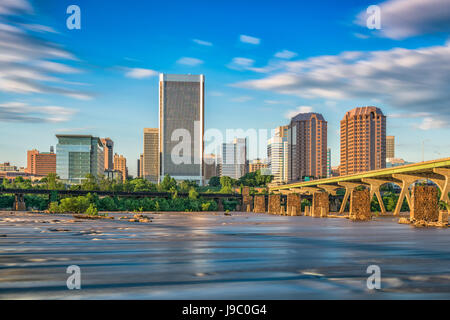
pixel 375 190
pixel 349 187
pixel 320 203
pixel 406 180
pixel 294 207
pixel 424 204
pixel 247 200
pixel 19 203
pixel 360 205
pixel 259 203
pixel 274 206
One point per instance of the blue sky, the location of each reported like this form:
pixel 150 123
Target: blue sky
pixel 263 61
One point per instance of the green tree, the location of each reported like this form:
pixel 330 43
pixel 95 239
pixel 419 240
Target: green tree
pixel 214 182
pixel 226 183
pixel 193 194
pixel 168 183
pixel 92 210
pixel 90 183
pixel 54 207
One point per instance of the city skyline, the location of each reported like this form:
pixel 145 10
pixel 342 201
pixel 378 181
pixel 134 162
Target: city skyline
pixel 110 89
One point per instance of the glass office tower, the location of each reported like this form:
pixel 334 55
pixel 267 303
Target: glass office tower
pixel 77 156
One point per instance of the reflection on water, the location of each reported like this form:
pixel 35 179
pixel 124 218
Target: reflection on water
pixel 212 256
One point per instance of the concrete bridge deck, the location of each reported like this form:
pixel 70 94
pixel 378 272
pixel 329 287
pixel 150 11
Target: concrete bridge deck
pixel 437 171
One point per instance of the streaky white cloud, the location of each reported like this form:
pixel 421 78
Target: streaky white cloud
pixel 140 73
pixel 8 7
pixel 56 67
pixel 189 61
pixel 430 123
pixel 26 61
pixel 39 28
pixel 248 39
pixel 202 42
pixel 300 109
pixel 22 112
pixel 402 19
pixel 240 63
pixel 285 54
pixel 408 80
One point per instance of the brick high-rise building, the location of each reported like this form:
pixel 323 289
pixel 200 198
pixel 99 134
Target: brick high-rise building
pixel 390 147
pixel 40 163
pixel 108 149
pixel 120 164
pixel 210 167
pixel 151 158
pixel 363 140
pixel 257 164
pixel 281 131
pixel 307 146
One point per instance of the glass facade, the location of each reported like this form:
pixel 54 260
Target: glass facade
pixel 77 156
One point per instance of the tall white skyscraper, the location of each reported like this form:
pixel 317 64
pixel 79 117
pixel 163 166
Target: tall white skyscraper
pixel 277 152
pixel 234 158
pixel 181 126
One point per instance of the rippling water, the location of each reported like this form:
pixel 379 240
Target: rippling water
pixel 212 256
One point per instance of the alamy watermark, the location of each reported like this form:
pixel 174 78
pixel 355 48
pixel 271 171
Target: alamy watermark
pixel 374 280
pixel 74 280
pixel 374 17
pixel 74 20
pixel 186 149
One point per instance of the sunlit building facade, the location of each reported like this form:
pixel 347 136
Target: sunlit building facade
pixel 181 126
pixel 363 140
pixel 77 156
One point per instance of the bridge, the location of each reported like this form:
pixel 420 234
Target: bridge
pixel 436 171
pixel 19 203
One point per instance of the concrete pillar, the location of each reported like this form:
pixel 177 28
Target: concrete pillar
pixel 219 204
pixel 323 213
pixel 349 187
pixel 293 212
pixel 360 205
pixel 19 203
pixel 320 200
pixel 247 202
pixel 294 201
pixel 259 203
pixel 443 217
pixel 406 180
pixel 375 190
pixel 425 206
pixel 274 204
pixel 307 211
pixel 445 188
